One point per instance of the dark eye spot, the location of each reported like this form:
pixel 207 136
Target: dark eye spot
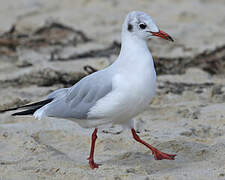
pixel 142 26
pixel 130 27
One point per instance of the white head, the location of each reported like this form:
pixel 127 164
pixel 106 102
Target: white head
pixel 142 26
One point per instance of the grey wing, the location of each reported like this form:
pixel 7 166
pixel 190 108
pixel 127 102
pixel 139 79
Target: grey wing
pixel 80 98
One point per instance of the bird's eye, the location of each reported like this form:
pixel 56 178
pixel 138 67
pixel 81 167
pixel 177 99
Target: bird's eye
pixel 142 26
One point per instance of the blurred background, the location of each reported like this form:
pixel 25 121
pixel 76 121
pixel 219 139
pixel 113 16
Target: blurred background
pixel 46 45
pixel 196 24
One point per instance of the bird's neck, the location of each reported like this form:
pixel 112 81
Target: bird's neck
pixel 134 51
pixel 133 44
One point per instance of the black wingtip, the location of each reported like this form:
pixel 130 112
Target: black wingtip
pixel 10 109
pixel 30 107
pixel 33 107
pixel 27 112
pixel 40 103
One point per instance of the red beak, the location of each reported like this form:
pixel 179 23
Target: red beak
pixel 162 35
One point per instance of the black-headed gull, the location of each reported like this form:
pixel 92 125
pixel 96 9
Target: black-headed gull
pixel 115 94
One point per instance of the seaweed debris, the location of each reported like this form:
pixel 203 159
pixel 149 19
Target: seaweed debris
pixel 212 61
pixel 179 88
pixel 51 34
pixel 46 77
pixel 114 48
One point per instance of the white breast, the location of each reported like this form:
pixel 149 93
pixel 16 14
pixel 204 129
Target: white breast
pixel 130 96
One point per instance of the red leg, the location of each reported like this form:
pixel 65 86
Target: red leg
pixel 158 155
pixel 91 157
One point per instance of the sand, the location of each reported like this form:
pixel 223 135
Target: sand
pixel 53 41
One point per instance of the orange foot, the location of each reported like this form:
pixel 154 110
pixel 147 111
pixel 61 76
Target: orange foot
pixel 158 155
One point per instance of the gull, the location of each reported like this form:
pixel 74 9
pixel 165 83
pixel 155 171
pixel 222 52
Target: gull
pixel 114 95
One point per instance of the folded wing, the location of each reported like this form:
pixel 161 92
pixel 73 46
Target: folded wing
pixel 81 97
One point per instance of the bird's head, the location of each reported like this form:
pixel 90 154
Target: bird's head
pixel 141 25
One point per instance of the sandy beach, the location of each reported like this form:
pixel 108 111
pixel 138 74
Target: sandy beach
pixel 46 45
